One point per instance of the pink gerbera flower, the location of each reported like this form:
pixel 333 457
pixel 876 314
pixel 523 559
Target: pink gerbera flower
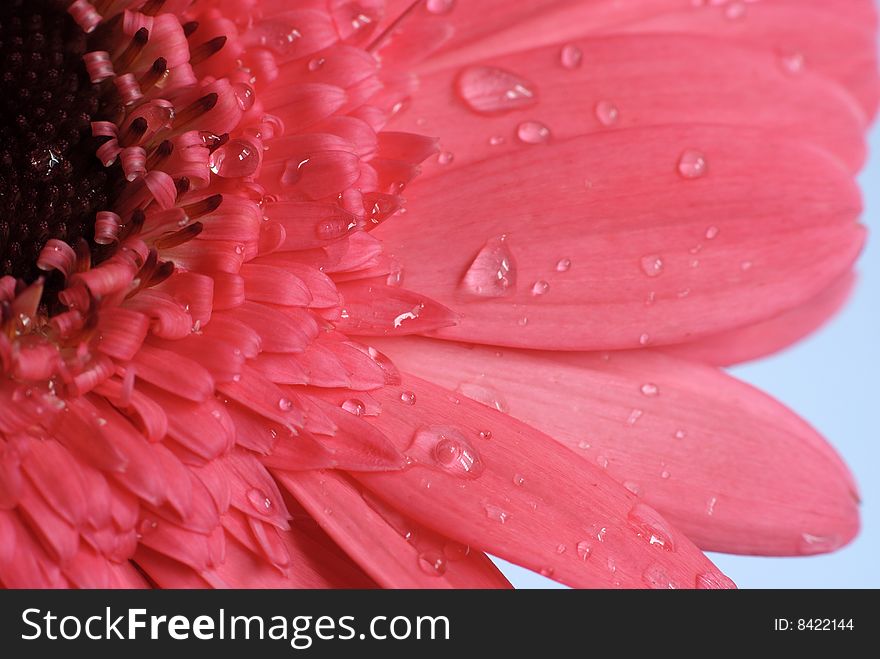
pixel 214 294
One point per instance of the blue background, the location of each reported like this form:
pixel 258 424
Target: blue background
pixel 832 380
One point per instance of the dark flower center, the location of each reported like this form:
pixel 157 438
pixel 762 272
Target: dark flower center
pixel 51 182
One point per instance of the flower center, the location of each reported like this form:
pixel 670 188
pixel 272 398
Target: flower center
pixel 51 183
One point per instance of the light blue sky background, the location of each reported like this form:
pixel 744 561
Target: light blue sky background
pixel 833 380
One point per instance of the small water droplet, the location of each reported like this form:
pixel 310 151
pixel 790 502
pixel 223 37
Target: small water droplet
pixel 279 36
pixel 818 544
pixel 791 62
pixel 440 6
pixel 547 571
pixel 563 265
pixel 533 132
pixel 656 577
pixel 650 526
pixel 680 434
pixel 692 164
pixel 456 551
pixel 651 299
pixel 490 90
pixel 496 140
pixel 147 526
pixel 523 321
pixel 601 533
pixel 746 265
pixel 602 461
pixel 518 479
pixel 485 434
pixel 713 581
pixel 432 563
pixel 607 113
pixel 446 448
pixel 316 63
pixel 560 549
pixel 695 263
pixel 611 564
pixel 712 233
pixel 652 265
pixel 496 513
pixel 584 550
pixel 540 288
pixel 644 339
pixel 633 487
pixel 485 394
pixel 735 11
pixel 634 416
pixel 650 389
pixel 664 474
pixel 259 500
pixel 710 506
pixel 445 157
pixel 408 397
pixel 354 406
pixel 492 273
pixel 583 444
pixel 285 404
pixel 239 248
pixel 571 57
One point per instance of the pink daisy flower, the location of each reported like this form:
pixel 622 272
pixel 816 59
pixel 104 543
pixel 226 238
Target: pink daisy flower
pixel 234 355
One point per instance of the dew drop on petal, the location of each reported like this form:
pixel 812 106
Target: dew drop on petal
pixel 492 273
pixel 735 11
pixel 278 35
pixel 652 265
pixel 584 550
pixel 634 416
pixel 655 577
pixel 446 448
pixel 607 113
pixel 490 90
pixel 692 164
pixel 602 461
pixel 445 157
pixel 664 474
pixel 712 233
pixel 540 288
pixel 560 548
pixel 523 321
pixel 432 563
pixel 571 57
pixel 710 506
pixel 354 406
pixel 563 265
pixel 791 62
pixel 408 397
pixel 455 551
pixel 745 266
pixel 644 339
pixel 244 95
pixel 713 581
pixel 601 533
pixel 650 526
pixel 285 404
pixel 583 444
pixel 485 434
pixel 818 544
pixel 496 140
pixel 485 394
pixel 518 479
pixel 633 487
pixel 147 526
pixel 259 500
pixel 440 6
pixel 316 63
pixel 547 571
pixel 496 513
pixel 650 389
pixel 533 132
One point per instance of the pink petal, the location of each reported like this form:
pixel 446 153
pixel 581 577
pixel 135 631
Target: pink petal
pixel 394 551
pixel 728 465
pixel 521 496
pixel 639 254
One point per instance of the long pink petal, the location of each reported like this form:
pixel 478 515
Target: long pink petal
pixel 732 468
pixel 613 248
pixel 516 493
pixel 393 550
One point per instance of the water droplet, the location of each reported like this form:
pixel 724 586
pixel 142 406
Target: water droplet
pixel 518 479
pixel 664 474
pixel 602 461
pixel 710 506
pixel 446 448
pixel 611 564
pixel 650 526
pixel 244 94
pixel 485 434
pixel 713 581
pixel 147 526
pixel 746 265
pixel 533 132
pixel 791 62
pixel 633 487
pixel 563 265
pixel 523 321
pixel 408 397
pixel 490 90
pixel 316 63
pixel 607 113
pixel 583 444
pixel 650 389
pixel 354 406
pixel 440 6
pixel 540 288
pixel 656 577
pixel 239 249
pixel 652 265
pixel 445 157
pixel 644 340
pixel 455 551
pixel 285 404
pixel 818 544
pixel 634 416
pixel 484 394
pixel 496 140
pixel 412 314
pixel 584 550
pixel 712 233
pixel 571 57
pixel 692 164
pixel 600 534
pixel 259 500
pixel 235 159
pixel 680 434
pixel 547 571
pixel 735 11
pixel 432 563
pixel 560 549
pixel 278 36
pixel 493 272
pixel 496 513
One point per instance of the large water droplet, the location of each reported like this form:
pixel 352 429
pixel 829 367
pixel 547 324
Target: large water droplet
pixel 656 577
pixel 540 288
pixel 354 406
pixel 493 272
pixel 490 90
pixel 713 581
pixel 237 158
pixel 483 393
pixel 533 132
pixel 584 550
pixel 571 57
pixel 440 6
pixel 496 513
pixel 259 500
pixel 446 448
pixel 652 265
pixel 432 563
pixel 650 526
pixel 607 113
pixel 692 164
